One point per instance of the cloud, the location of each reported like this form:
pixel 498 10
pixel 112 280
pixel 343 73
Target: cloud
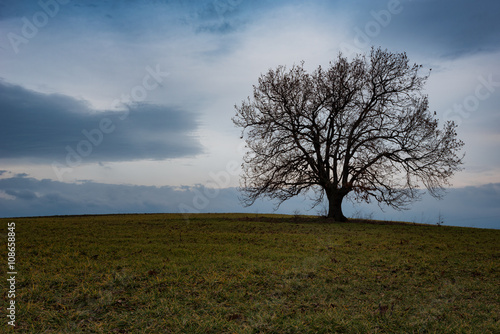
pixel 473 206
pixel 47 127
pixel 214 51
pixel 449 28
pixel 25 196
pixel 32 197
pixel 21 195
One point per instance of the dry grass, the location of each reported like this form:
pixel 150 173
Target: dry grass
pixel 240 273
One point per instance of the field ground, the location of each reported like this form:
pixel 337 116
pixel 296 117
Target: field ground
pixel 241 273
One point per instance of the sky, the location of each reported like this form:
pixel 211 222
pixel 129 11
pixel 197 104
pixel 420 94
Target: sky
pixel 126 106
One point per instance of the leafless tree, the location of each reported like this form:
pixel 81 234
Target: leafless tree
pixel 360 127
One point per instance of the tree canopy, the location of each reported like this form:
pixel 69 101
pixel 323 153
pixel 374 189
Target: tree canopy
pixel 360 127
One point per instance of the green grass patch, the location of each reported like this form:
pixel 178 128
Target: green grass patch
pixel 239 273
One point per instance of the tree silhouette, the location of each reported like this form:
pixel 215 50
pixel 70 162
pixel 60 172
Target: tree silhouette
pixel 360 127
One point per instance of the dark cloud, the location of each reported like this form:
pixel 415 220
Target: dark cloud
pixel 31 197
pixel 51 127
pixel 22 194
pixel 227 16
pixel 215 17
pixel 10 9
pixel 447 27
pixel 468 206
pixel 461 26
pixel 25 196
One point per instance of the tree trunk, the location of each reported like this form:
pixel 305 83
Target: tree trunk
pixel 335 198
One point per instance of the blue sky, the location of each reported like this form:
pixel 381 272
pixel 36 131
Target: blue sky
pixel 126 106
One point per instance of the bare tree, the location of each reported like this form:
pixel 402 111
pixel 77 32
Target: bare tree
pixel 360 127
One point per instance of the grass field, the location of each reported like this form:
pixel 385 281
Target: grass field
pixel 239 273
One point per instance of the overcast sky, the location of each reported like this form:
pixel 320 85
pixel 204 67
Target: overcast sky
pixel 126 106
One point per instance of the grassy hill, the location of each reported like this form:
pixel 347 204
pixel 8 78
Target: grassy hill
pixel 241 273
